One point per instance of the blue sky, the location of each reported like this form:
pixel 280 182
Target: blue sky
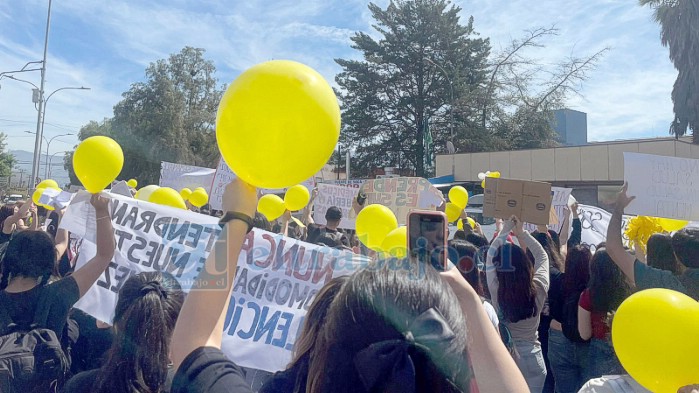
pixel 106 45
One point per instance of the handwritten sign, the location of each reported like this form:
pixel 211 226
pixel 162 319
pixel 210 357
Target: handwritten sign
pixel 595 222
pixel 332 195
pixel 403 194
pixel 353 183
pixel 663 186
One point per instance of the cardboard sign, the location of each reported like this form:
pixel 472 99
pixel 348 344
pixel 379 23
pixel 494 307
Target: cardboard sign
pixel 560 200
pixel 530 201
pixel 402 195
pixel 339 196
pixel 353 183
pixel 663 186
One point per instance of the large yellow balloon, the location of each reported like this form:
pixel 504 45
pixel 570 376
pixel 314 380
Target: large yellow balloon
pixel 36 196
pixel 133 183
pixel 670 225
pixel 654 335
pixel 471 222
pixel 396 242
pixel 373 224
pixel 168 197
pixel 453 211
pixel 185 193
pixel 296 197
pixel 199 197
pixel 97 162
pixel 48 183
pixel 144 193
pixel 277 124
pixel 271 206
pixel 458 196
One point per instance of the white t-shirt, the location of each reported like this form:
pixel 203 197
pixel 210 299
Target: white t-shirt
pixel 492 314
pixel 613 384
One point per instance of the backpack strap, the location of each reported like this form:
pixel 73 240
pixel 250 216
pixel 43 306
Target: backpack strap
pixel 41 314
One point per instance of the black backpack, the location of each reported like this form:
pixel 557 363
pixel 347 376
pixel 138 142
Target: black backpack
pixel 570 318
pixel 31 357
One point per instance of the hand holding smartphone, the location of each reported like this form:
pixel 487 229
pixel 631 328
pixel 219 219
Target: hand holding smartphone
pixel 427 237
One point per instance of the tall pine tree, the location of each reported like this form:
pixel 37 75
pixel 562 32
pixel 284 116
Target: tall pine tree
pixel 423 63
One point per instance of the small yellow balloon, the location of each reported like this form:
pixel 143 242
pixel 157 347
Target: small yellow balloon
pixel 373 224
pixel 453 212
pixel 97 161
pixel 396 242
pixel 48 183
pixel 278 124
pixel 296 198
pixel 144 193
pixel 495 175
pixel 133 183
pixel 654 336
pixel 471 222
pixel 458 196
pixel 199 197
pixel 166 196
pixel 185 193
pixel 271 206
pixel 199 188
pixel 48 207
pixel 670 225
pixel 36 196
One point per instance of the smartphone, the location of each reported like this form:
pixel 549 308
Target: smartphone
pixel 427 237
pixel 361 198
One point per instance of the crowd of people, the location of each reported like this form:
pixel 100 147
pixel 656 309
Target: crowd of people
pixel 520 312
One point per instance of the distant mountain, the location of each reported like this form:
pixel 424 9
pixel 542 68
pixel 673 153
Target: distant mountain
pixel 23 167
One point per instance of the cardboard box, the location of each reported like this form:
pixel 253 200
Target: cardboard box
pixel 528 200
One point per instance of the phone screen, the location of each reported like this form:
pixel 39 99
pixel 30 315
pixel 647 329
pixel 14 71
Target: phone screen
pixel 427 234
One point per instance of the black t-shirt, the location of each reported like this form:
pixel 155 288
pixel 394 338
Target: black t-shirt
pixel 207 369
pixel 86 382
pixel 287 380
pixel 556 294
pixel 90 349
pixel 21 307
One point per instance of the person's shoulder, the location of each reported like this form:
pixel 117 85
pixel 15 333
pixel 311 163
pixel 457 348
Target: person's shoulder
pixel 650 277
pixel 207 369
pixel 81 382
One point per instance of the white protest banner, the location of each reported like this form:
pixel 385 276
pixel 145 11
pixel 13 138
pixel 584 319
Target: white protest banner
pixel 663 186
pixel 276 280
pixel 559 202
pixel 402 194
pixel 179 176
pixel 224 175
pixel 595 222
pixel 353 183
pixel 331 195
pixel 121 188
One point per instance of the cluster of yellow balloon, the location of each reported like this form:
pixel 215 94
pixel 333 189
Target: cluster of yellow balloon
pixel 277 124
pixel 271 206
pixel 199 197
pixel 185 193
pixel 483 176
pixel 654 335
pixel 396 242
pixel 373 225
pixel 296 198
pixel 168 197
pixel 145 192
pixel 133 183
pixel 97 161
pixel 458 200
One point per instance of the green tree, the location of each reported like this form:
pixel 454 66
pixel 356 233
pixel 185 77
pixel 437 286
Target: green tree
pixel 168 117
pixel 7 160
pixel 423 64
pixel 679 24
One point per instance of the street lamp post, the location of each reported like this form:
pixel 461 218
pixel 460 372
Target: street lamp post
pixel 48 145
pixel 451 111
pixel 51 162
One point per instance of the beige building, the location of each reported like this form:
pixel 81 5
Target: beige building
pixel 594 170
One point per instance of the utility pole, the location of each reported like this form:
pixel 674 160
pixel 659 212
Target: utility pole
pixel 37 142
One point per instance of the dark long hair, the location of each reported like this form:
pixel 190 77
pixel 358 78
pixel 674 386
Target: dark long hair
pixel 30 254
pixel 608 285
pixel 552 249
pixel 661 255
pixel 144 318
pixel 5 212
pixel 466 261
pixel 516 291
pixel 577 273
pixel 376 305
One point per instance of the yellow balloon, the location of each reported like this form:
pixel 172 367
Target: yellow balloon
pixel 37 195
pixel 199 188
pixel 459 196
pixel 271 206
pixel 654 335
pixel 133 183
pixel 373 224
pixel 471 222
pixel 495 174
pixel 453 212
pixel 97 162
pixel 48 183
pixel 296 198
pixel 670 225
pixel 396 242
pixel 199 197
pixel 278 124
pixel 144 193
pixel 185 193
pixel 166 196
pixel 48 207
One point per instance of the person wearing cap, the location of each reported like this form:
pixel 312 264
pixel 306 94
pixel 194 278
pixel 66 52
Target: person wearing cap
pixel 333 216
